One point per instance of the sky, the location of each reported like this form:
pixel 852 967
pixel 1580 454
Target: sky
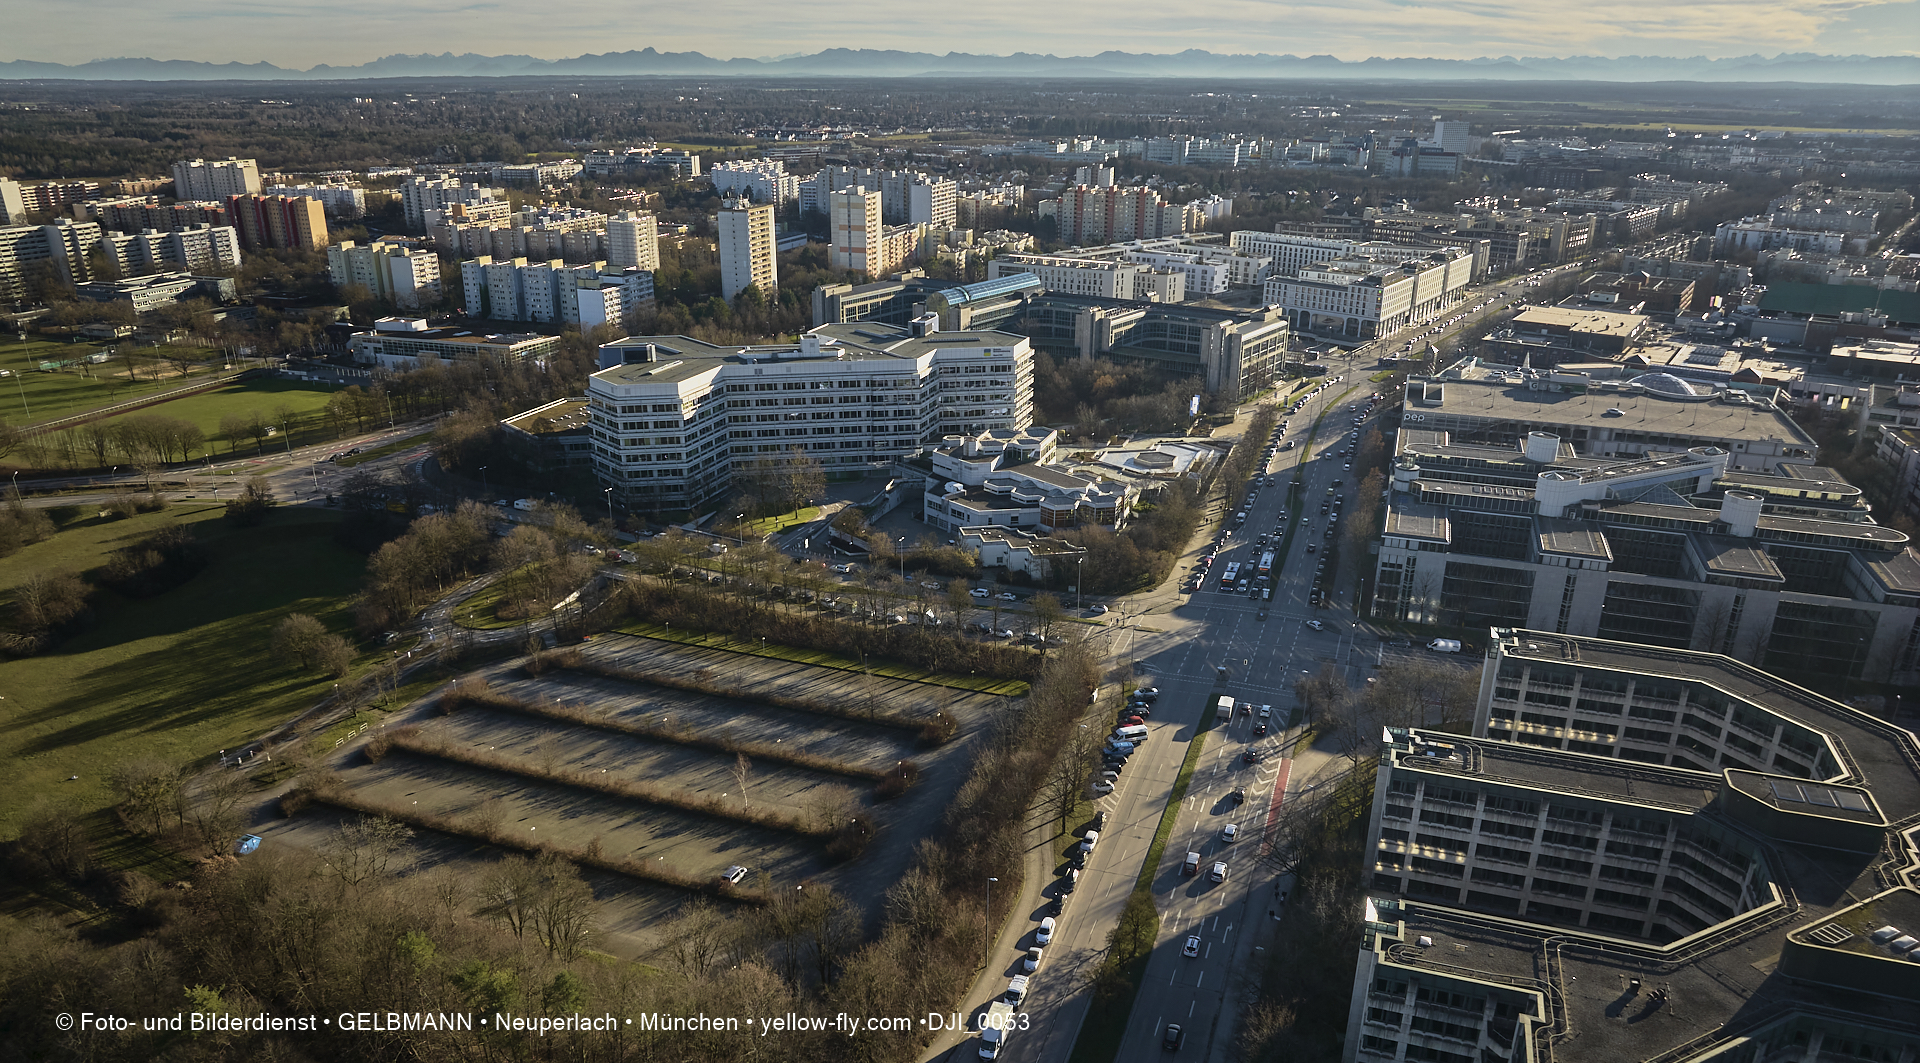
pixel 300 34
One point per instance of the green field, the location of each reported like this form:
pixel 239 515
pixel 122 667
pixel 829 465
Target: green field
pixel 265 395
pixel 178 677
pixel 32 397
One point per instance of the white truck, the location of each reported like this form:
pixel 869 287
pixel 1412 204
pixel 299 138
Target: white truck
pixel 524 504
pixel 994 1027
pixel 1223 709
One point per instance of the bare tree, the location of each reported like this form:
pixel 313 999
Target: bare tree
pixel 741 770
pixel 365 850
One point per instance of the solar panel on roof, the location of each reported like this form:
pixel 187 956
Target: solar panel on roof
pixel 1820 795
pixel 1785 791
pixel 1854 801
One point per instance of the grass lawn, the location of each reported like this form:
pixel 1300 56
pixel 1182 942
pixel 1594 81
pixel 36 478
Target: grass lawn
pixel 178 677
pixel 776 525
pixel 265 395
pixel 32 397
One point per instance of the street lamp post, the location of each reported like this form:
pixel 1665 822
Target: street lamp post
pixel 986 923
pixel 608 492
pixel 483 480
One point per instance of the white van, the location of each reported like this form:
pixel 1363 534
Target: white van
pixel 1444 645
pixel 1017 989
pixel 1135 733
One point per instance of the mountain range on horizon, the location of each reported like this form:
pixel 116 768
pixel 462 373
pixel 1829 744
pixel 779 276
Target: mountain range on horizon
pixel 849 62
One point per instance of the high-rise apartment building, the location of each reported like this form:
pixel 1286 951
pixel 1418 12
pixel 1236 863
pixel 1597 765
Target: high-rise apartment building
pixel 13 205
pixel 291 222
pixel 196 249
pixel 674 416
pixel 63 246
pixel 633 239
pixel 1109 215
pixel 407 276
pixel 340 200
pixel 747 248
pixel 221 179
pixel 554 292
pixel 418 195
pixel 855 233
pixel 139 213
pixel 761 180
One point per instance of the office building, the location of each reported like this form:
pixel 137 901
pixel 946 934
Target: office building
pixel 1104 277
pixel 1209 268
pixel 633 239
pixel 418 195
pixel 60 249
pixel 340 200
pixel 855 234
pixel 1640 854
pixel 1753 234
pixel 398 343
pixel 1230 351
pixel 152 293
pixel 1651 510
pixel 1366 296
pixel 391 269
pixel 747 249
pixel 1451 137
pixel 1004 478
pixel 13 205
pixel 558 435
pixel 761 180
pixel 220 180
pixel 198 249
pixel 287 222
pixel 674 418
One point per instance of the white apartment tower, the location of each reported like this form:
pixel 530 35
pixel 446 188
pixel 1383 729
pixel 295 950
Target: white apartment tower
pixel 854 231
pixel 747 248
pixel 633 239
pixel 198 179
pixel 408 276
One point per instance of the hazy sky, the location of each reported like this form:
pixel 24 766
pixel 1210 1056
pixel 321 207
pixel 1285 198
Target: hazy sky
pixel 303 33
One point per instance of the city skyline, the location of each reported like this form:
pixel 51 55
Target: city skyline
pixel 361 32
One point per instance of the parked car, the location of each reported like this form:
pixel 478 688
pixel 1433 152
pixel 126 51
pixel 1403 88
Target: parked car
pixel 733 875
pixel 981 592
pixel 1044 935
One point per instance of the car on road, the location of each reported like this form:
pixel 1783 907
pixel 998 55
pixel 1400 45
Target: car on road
pixel 733 875
pixel 1219 872
pixel 1230 832
pixel 1170 1040
pixel 1192 947
pixel 1009 596
pixel 1316 625
pixel 981 592
pixel 1099 610
pixel 1034 956
pixel 1056 906
pixel 1239 797
pixel 1251 756
pixel 1311 547
pixel 1044 935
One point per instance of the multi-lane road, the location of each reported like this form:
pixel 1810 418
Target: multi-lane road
pixel 1194 649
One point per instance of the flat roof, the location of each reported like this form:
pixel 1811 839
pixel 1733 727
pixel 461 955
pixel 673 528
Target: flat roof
pixel 1805 798
pixel 1419 521
pixel 565 415
pixel 1582 321
pixel 1728 556
pixel 1704 418
pixel 1572 538
pixel 682 357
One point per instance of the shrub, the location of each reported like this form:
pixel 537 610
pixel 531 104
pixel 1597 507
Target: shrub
pixel 939 729
pixel 156 564
pixel 896 782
